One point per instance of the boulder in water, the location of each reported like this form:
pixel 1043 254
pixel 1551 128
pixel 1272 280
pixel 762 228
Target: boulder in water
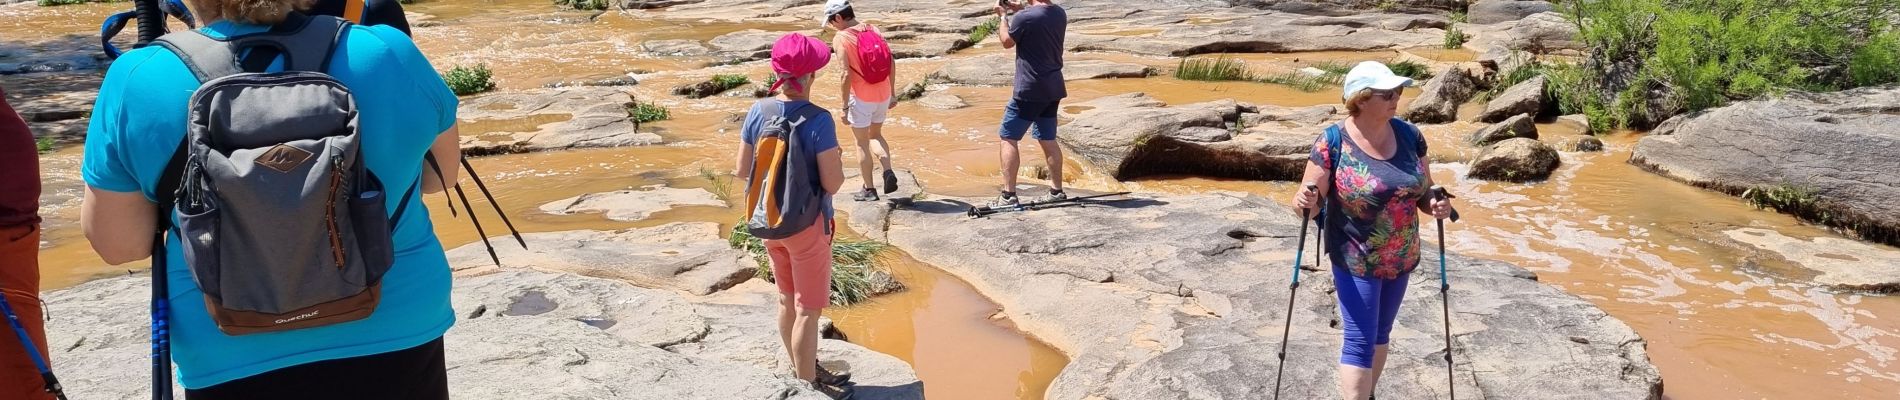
pixel 1515 160
pixel 1520 126
pixel 1438 101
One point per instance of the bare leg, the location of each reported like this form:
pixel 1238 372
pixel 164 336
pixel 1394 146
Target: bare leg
pixel 1354 383
pixel 880 146
pixel 805 339
pixel 1378 366
pixel 1052 154
pixel 786 317
pixel 864 154
pixel 1011 161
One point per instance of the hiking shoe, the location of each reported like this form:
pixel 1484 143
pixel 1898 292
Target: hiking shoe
pixel 827 377
pixel 1054 195
pixel 1007 200
pixel 834 392
pixel 865 195
pixel 890 181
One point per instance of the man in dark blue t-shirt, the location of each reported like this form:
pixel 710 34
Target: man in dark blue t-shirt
pixel 1036 32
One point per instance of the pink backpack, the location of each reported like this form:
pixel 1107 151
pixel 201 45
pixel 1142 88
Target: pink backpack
pixel 874 55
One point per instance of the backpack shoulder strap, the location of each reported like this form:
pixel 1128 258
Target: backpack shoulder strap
pixel 306 43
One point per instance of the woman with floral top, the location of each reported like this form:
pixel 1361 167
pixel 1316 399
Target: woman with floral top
pixel 1375 182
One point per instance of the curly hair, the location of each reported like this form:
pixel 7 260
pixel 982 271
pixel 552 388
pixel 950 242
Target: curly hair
pixel 259 12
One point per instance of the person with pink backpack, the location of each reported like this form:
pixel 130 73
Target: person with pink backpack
pixel 868 90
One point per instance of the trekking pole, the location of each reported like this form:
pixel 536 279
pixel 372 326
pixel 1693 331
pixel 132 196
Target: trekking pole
pixel 1293 290
pixel 988 210
pixel 1444 289
pixel 491 201
pixel 32 351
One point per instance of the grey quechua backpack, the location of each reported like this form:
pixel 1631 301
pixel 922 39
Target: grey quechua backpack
pixel 282 225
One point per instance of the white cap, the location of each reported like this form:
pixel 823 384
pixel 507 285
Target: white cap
pixel 1372 75
pixel 832 7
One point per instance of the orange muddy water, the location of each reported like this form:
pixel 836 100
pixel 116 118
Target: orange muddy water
pixel 1723 321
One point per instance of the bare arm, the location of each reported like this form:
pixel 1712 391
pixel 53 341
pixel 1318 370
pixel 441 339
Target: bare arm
pixel 119 224
pixel 447 151
pixel 1002 29
pixel 744 173
pixel 1314 182
pixel 831 169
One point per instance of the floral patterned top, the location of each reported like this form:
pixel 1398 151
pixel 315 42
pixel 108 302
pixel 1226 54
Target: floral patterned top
pixel 1372 228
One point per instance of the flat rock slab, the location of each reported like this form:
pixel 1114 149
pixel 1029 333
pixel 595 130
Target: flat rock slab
pixel 1838 146
pixel 1000 70
pixel 1843 264
pixel 524 334
pixel 688 257
pixel 632 205
pixel 583 117
pixel 1172 297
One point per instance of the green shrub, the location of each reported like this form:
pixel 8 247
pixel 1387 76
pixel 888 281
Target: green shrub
pixel 983 30
pixel 1217 69
pixel 648 112
pixel 1410 69
pixel 1459 17
pixel 50 3
pixel 1707 53
pixel 858 271
pixel 718 84
pixel 466 81
pixel 593 5
pixel 46 144
pixel 1527 71
pixel 1455 39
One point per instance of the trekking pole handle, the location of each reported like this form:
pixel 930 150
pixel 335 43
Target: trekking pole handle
pixel 1439 193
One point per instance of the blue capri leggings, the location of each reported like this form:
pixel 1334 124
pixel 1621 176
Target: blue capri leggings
pixel 1369 306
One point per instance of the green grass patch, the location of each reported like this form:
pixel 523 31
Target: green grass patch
pixel 1459 17
pixel 643 112
pixel 1301 81
pixel 46 144
pixel 1215 69
pixel 1794 200
pixel 590 5
pixel 858 269
pixel 469 80
pixel 983 31
pixel 50 3
pixel 1454 38
pixel 1411 69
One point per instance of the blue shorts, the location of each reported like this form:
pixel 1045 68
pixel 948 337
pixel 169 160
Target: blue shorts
pixel 1369 307
pixel 1023 113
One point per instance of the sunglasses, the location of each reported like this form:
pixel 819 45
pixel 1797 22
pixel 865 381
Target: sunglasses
pixel 1388 95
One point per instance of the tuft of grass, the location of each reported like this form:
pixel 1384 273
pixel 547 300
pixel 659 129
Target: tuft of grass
pixel 718 84
pixel 1332 67
pixel 1411 69
pixel 914 91
pixel 648 112
pixel 46 144
pixel 1454 38
pixel 858 269
pixel 50 3
pixel 1301 81
pixel 1388 5
pixel 1798 201
pixel 983 30
pixel 1217 69
pixel 592 5
pixel 466 80
pixel 721 184
pixel 1460 17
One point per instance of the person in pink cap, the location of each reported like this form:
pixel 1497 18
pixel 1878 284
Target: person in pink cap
pixel 801 263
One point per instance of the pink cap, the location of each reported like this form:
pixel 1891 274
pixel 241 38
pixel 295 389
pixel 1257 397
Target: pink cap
pixel 796 55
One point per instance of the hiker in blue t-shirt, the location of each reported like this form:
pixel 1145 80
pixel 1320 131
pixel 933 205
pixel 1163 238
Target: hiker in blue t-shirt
pixel 801 263
pixel 405 111
pixel 1036 33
